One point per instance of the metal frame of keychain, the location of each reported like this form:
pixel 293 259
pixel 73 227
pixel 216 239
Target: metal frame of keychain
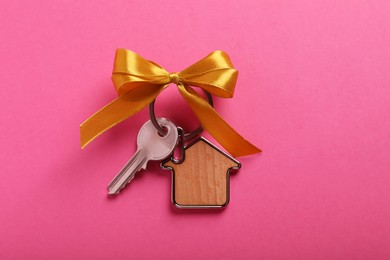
pixel 201 173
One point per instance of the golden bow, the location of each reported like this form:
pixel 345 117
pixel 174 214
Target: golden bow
pixel 139 81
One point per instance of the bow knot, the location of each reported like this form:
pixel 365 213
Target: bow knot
pixel 139 81
pixel 174 78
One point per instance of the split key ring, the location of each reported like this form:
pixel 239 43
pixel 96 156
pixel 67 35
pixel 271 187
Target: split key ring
pixel 162 131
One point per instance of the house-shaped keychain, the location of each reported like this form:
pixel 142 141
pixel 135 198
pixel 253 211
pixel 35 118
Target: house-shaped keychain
pixel 201 179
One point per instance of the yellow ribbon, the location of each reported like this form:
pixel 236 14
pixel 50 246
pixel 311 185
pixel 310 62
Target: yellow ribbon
pixel 139 81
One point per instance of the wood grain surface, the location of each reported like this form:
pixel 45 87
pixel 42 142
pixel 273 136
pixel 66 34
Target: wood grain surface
pixel 202 179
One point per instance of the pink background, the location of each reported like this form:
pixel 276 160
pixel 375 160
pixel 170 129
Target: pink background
pixel 313 93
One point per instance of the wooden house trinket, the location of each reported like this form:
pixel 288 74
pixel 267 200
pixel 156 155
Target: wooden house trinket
pixel 201 179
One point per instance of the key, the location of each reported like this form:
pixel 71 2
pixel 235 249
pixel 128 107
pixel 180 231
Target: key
pixel 150 146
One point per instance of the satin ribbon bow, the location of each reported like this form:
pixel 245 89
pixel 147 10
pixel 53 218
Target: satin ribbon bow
pixel 139 81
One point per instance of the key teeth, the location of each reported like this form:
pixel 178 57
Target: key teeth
pixel 144 166
pixel 117 191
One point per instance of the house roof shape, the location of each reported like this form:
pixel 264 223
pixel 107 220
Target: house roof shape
pixel 201 179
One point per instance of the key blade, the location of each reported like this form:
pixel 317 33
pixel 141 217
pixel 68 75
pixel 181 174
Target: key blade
pixel 136 163
pixel 151 146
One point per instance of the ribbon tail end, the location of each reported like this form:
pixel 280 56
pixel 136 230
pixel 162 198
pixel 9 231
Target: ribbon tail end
pixel 251 149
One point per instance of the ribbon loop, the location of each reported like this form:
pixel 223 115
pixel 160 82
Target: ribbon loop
pixel 139 81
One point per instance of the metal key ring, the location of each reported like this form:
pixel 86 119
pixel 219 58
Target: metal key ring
pixel 187 136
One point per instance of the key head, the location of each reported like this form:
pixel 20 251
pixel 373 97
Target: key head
pixel 158 147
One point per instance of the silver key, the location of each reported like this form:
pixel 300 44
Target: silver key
pixel 151 146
